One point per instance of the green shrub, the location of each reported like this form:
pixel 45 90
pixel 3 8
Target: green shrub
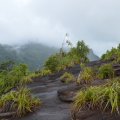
pixel 81 50
pixel 16 77
pixel 45 72
pixel 25 80
pixel 67 77
pixel 52 63
pixel 99 97
pixel 66 62
pixel 21 101
pixel 63 60
pixel 86 76
pixel 118 60
pixel 41 73
pixel 106 71
pixel 113 54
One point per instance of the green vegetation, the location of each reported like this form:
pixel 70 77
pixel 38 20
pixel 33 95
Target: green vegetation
pixel 6 66
pixel 32 54
pixel 106 71
pixel 62 60
pixel 113 55
pixel 40 73
pixel 86 76
pixel 103 97
pixel 67 77
pixel 81 50
pixel 19 99
pixel 100 97
pixel 52 63
pixel 16 77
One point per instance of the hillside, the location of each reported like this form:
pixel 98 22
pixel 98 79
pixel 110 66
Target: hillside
pixel 32 54
pixel 72 91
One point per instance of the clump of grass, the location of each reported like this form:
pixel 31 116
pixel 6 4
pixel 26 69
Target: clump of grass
pixel 25 80
pixel 67 77
pixel 86 76
pixel 41 73
pixel 22 101
pixel 45 72
pixel 99 97
pixel 106 71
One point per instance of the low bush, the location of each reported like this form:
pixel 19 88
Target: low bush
pixel 16 77
pixel 20 100
pixel 112 55
pixel 86 76
pixel 67 77
pixel 106 71
pixel 63 60
pixel 52 63
pixel 45 72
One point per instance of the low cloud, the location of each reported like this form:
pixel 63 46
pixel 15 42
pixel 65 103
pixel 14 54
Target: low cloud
pixel 96 22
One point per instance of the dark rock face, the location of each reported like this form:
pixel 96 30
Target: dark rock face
pixel 68 94
pixel 94 115
pixel 4 116
pixel 56 97
pixel 52 108
pixel 116 68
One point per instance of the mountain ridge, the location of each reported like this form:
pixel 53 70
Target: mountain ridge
pixel 33 54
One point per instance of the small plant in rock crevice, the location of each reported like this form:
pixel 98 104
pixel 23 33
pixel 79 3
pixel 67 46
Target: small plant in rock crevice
pixel 86 76
pixel 67 77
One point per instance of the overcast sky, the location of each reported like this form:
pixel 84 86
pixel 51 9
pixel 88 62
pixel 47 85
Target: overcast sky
pixel 47 21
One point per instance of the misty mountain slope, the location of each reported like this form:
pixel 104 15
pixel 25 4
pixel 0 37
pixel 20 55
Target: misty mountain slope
pixel 32 54
pixel 35 54
pixel 92 56
pixel 7 53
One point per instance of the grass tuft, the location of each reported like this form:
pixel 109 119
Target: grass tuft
pixel 22 101
pixel 86 76
pixel 99 97
pixel 106 71
pixel 67 77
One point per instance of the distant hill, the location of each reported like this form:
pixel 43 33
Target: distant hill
pixel 35 54
pixel 92 56
pixel 32 54
pixel 7 53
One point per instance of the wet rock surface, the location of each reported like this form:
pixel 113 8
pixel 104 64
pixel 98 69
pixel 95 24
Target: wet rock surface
pixel 94 115
pixel 46 89
pixel 57 96
pixel 52 108
pixel 67 94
